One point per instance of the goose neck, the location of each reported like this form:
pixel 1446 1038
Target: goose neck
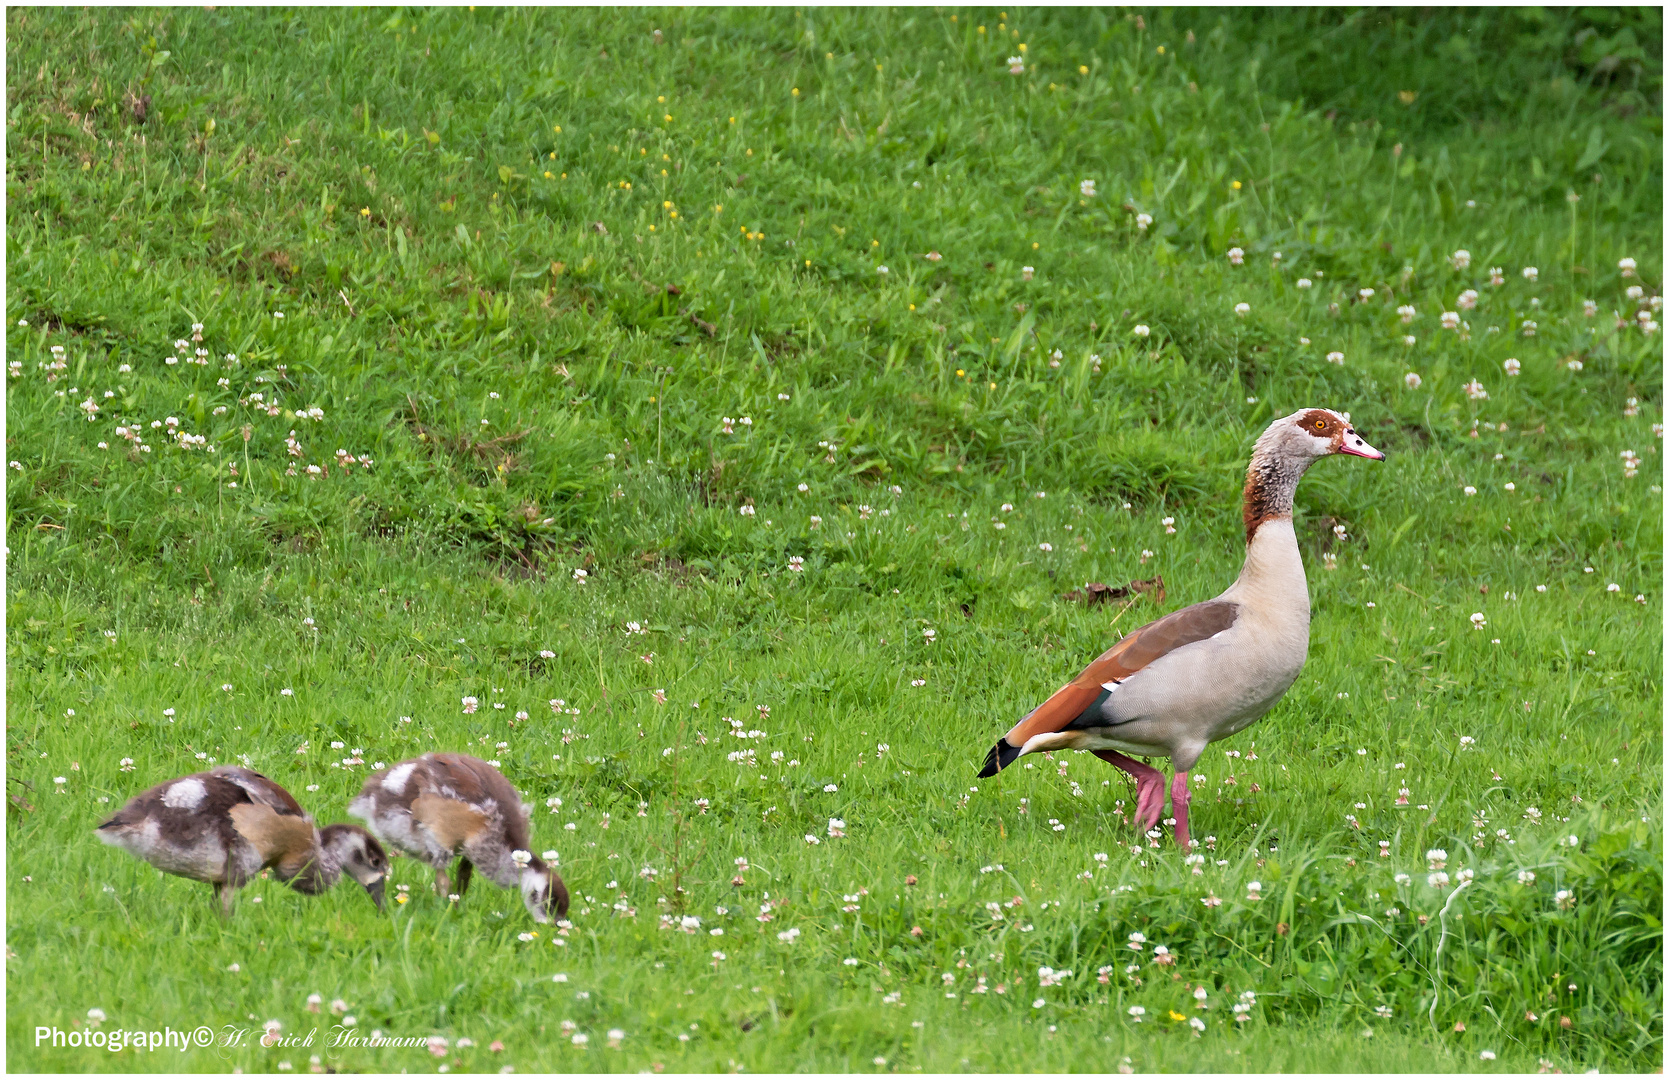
pixel 1271 481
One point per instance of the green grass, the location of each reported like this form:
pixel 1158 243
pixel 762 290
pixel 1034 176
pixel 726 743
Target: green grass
pixel 540 395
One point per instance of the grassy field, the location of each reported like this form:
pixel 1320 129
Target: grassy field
pixel 725 401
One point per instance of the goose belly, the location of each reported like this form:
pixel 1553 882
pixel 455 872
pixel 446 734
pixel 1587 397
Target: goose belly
pixel 202 859
pixel 395 827
pixel 1209 690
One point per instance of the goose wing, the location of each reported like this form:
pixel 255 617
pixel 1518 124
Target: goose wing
pixel 285 842
pixel 1074 703
pixel 261 790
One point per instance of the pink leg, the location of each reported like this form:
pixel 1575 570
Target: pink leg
pixel 1179 807
pixel 1150 787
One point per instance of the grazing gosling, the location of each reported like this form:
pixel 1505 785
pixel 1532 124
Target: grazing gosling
pixel 227 825
pixel 439 806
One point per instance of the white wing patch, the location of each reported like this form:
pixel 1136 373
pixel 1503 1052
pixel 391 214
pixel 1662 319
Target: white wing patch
pixel 395 782
pixel 185 794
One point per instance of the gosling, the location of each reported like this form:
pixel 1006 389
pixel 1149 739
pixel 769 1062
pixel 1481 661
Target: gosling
pixel 227 825
pixel 440 806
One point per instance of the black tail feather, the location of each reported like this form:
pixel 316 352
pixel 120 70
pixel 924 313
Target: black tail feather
pixel 1000 757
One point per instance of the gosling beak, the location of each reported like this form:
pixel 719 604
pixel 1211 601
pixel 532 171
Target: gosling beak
pixel 376 888
pixel 1355 444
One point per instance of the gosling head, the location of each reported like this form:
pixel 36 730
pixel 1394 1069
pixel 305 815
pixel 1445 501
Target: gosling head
pixel 359 855
pixel 542 889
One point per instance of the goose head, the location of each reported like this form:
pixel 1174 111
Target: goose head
pixel 358 854
pixel 1310 434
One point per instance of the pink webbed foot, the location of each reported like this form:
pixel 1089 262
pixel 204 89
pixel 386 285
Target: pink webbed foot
pixel 1150 787
pixel 1179 808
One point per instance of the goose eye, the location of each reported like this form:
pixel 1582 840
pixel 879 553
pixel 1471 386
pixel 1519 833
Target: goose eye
pixel 1320 425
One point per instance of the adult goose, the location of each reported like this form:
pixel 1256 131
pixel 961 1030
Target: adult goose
pixel 1200 674
pixel 442 806
pixel 227 825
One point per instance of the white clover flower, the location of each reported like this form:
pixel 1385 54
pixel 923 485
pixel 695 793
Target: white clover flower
pixel 1412 380
pixel 1141 330
pixel 1242 309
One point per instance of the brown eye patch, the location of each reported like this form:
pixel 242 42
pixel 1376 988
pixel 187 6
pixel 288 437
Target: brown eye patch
pixel 1319 422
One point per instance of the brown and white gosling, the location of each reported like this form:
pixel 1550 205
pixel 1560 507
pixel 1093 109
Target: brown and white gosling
pixel 227 825
pixel 1205 672
pixel 440 806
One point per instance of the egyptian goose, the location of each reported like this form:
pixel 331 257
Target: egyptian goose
pixel 227 825
pixel 439 806
pixel 1200 674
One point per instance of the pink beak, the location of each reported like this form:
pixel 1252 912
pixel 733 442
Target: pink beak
pixel 1355 444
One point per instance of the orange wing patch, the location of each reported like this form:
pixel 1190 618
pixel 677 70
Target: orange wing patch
pixel 285 842
pixel 450 821
pixel 1141 648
